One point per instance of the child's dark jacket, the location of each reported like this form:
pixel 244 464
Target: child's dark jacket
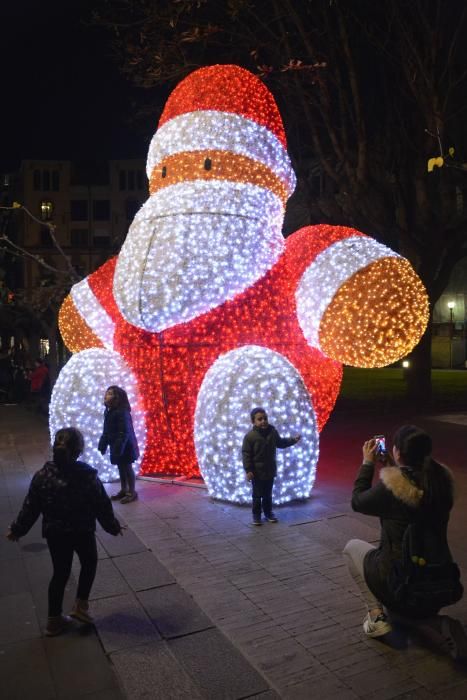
pixel 118 433
pixel 259 451
pixel 70 499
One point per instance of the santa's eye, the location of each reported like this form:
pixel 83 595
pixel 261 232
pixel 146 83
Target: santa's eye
pixel 207 164
pixel 164 171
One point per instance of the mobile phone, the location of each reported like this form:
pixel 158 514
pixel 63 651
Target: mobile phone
pixel 380 444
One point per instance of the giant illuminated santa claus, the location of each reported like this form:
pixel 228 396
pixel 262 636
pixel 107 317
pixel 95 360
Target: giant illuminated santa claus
pixel 207 311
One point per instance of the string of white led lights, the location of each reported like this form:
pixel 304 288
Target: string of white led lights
pixel 237 382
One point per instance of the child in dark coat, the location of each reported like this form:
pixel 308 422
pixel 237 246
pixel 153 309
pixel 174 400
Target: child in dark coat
pixel 259 462
pixel 70 497
pixel 118 433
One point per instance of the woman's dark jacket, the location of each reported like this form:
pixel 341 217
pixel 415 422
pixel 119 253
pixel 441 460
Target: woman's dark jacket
pixel 396 500
pixel 118 433
pixel 259 451
pixel 70 499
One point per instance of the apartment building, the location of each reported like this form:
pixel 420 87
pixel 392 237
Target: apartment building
pixel 90 204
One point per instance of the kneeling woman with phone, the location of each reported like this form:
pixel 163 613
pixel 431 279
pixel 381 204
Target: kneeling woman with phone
pixel 413 487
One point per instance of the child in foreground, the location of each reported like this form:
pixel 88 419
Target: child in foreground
pixel 259 462
pixel 70 496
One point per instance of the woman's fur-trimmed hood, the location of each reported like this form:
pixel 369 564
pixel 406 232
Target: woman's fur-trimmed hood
pixel 402 488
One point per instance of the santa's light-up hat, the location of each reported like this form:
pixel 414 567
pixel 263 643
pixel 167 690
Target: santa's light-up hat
pixel 221 122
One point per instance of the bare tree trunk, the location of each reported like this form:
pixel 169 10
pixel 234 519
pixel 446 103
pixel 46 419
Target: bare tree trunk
pixel 418 375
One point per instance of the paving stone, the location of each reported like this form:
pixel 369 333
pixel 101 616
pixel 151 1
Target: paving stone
pixel 5 507
pixel 173 611
pixel 372 681
pixel 354 528
pixel 24 671
pixel 394 690
pixel 151 671
pixel 351 659
pixel 8 551
pixel 18 619
pixel 217 666
pixel 116 546
pixel 108 582
pixel 234 621
pixel 122 623
pixel 325 686
pixel 420 693
pixel 13 577
pixel 77 664
pixel 142 571
pixel 438 674
pixel 283 659
pixel 113 692
pixel 259 635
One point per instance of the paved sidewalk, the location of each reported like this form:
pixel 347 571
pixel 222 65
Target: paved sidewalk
pixel 194 603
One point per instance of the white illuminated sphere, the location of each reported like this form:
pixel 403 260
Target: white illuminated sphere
pixel 237 382
pixel 77 401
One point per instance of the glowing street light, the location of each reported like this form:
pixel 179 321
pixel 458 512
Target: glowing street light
pixel 451 305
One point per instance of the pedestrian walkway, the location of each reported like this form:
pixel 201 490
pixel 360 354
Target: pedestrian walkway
pixel 194 603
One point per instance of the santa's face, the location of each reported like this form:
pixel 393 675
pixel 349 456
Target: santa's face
pixel 219 181
pixel 192 246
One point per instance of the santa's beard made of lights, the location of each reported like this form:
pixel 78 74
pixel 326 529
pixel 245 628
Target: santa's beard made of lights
pixel 208 312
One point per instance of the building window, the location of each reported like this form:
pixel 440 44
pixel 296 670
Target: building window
pixel 55 181
pixel 131 207
pixel 46 210
pixel 45 180
pixel 37 179
pixel 44 347
pixel 45 237
pixel 101 238
pixel 139 179
pixel 79 210
pixel 79 238
pixel 122 179
pixel 131 179
pixel 101 210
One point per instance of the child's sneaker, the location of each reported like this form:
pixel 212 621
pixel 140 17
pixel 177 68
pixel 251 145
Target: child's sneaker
pixel 81 612
pixel 129 498
pixel 378 627
pixel 271 518
pixel 256 521
pixel 57 624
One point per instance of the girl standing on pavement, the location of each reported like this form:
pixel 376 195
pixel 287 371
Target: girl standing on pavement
pixel 70 496
pixel 118 433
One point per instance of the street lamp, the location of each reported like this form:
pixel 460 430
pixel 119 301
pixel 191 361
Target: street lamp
pixel 451 305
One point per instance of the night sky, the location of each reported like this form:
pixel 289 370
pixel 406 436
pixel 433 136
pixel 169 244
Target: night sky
pixel 62 95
